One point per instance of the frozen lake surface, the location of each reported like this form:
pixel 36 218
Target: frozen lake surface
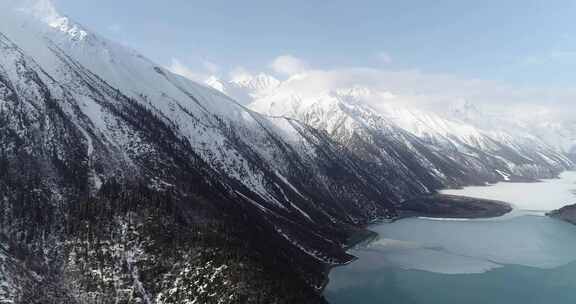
pixel 523 257
pixel 548 195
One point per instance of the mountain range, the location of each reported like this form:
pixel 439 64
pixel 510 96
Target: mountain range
pixel 462 132
pixel 121 182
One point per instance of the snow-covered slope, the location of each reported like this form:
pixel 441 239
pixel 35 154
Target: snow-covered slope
pixel 488 147
pixel 89 77
pixel 466 128
pixel 94 135
pixel 560 135
pixel 245 87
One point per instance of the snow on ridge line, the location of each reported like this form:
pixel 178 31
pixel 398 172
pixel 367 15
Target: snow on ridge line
pixel 44 12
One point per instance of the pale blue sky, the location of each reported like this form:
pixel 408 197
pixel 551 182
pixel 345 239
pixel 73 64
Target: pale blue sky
pixel 517 42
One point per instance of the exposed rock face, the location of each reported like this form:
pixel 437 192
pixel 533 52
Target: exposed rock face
pixel 567 214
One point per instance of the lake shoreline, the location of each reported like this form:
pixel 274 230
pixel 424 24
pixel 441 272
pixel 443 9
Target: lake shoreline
pixel 469 208
pixel 459 207
pixel 453 207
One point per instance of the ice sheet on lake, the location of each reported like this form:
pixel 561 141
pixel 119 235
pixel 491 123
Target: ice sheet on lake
pixel 446 251
pixel 469 247
pixel 548 195
pixel 449 246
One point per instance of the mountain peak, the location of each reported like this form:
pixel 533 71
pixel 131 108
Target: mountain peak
pixel 464 109
pixel 354 92
pixel 64 25
pixel 256 82
pixel 45 12
pixel 360 94
pixel 244 87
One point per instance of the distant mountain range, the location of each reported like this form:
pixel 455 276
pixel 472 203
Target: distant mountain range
pixel 488 144
pixel 121 182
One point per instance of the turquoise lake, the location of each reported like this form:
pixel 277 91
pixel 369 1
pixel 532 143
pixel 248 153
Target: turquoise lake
pixel 522 257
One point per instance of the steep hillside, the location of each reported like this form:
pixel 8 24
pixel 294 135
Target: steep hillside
pixel 115 161
pixel 462 146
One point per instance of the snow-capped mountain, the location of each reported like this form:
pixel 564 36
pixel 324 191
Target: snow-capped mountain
pixel 121 182
pixel 488 146
pixel 245 87
pixel 464 110
pixel 144 185
pixel 560 135
pixel 466 127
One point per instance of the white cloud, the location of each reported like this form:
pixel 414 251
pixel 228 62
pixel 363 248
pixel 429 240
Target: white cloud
pixel 239 74
pixel 179 68
pixel 429 91
pixel 384 57
pixel 437 92
pixel 42 9
pixel 211 67
pixel 288 65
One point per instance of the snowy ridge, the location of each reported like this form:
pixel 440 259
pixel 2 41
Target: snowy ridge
pixel 490 145
pixel 245 87
pixel 560 135
pixel 88 113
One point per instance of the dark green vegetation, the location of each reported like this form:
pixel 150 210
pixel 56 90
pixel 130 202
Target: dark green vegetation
pixel 134 245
